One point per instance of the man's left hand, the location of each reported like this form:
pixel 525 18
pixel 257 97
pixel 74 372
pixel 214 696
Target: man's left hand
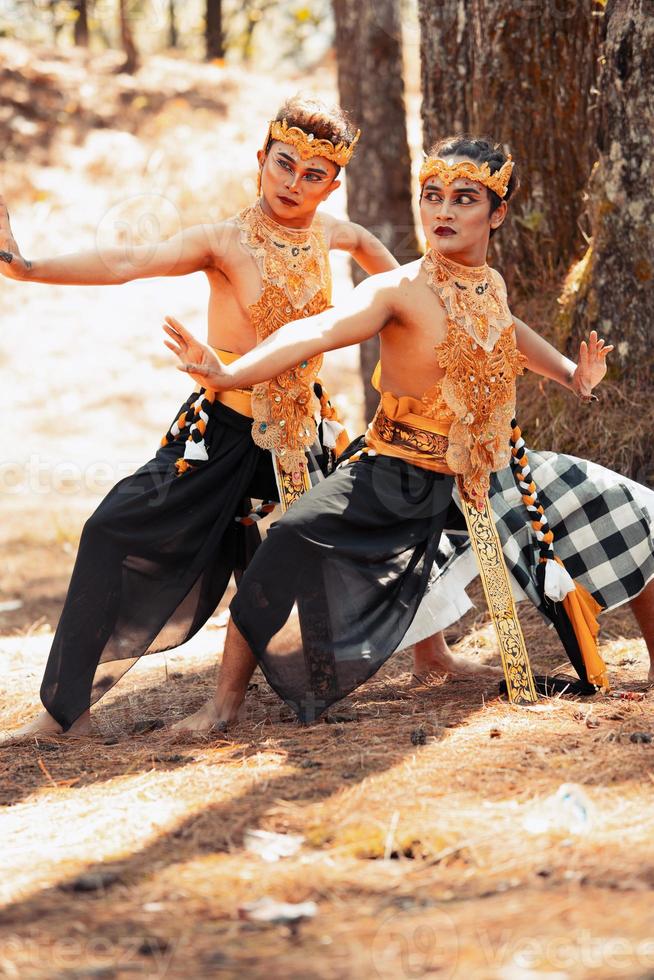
pixel 195 358
pixel 591 367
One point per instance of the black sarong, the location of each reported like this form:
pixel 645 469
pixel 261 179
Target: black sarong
pixel 355 556
pixel 154 561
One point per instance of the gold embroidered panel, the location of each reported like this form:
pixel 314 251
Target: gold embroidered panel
pixel 294 267
pixel 481 362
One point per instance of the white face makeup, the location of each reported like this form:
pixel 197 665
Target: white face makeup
pixel 292 187
pixel 456 217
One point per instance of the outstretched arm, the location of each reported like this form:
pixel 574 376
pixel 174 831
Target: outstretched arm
pixel 366 250
pixel 547 361
pixel 366 312
pixel 12 263
pixel 189 251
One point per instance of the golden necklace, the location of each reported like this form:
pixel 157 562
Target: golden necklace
pixel 294 259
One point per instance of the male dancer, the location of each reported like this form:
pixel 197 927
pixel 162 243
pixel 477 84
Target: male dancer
pixel 355 552
pixel 156 556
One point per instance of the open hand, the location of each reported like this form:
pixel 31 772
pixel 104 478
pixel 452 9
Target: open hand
pixel 195 358
pixel 12 263
pixel 592 365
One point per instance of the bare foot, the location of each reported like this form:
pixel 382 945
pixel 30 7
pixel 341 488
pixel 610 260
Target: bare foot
pixel 45 724
pixel 433 660
pixel 204 721
pixel 456 667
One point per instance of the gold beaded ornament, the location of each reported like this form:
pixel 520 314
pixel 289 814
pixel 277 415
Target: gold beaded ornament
pixel 308 146
pixel 498 182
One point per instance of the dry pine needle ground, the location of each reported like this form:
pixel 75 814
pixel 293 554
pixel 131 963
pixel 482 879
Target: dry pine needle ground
pixel 124 853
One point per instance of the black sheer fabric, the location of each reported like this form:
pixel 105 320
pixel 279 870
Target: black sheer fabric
pixel 354 555
pixel 154 561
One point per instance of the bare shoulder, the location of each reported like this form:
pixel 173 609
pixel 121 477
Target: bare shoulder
pixel 498 279
pixel 392 292
pixel 340 233
pixel 406 278
pixel 224 238
pixel 344 235
pixel 399 280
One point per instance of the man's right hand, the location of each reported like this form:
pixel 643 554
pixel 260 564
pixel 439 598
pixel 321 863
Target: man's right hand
pixel 195 358
pixel 12 263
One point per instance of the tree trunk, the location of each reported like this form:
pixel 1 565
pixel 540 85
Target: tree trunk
pixel 371 86
pixel 127 39
pixel 522 72
pixel 81 28
pixel 215 47
pixel 446 67
pixel 612 288
pixel 173 36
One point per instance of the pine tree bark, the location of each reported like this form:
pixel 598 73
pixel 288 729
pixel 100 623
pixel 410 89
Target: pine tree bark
pixel 522 72
pixel 446 67
pixel 173 36
pixel 81 28
pixel 215 47
pixel 127 39
pixel 612 288
pixel 371 88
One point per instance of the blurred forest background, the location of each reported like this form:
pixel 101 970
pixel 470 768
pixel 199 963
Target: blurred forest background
pixel 567 86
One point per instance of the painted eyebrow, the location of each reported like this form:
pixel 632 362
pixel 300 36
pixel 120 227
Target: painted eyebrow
pixel 310 170
pixel 458 190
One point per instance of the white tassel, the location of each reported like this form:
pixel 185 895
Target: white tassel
pixel 196 451
pixel 331 430
pixel 558 582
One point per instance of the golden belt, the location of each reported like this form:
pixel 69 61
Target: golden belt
pixel 401 434
pixel 422 444
pixel 238 399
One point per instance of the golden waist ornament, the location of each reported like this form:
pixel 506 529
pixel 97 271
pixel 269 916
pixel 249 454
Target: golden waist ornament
pixel 408 435
pixel 238 399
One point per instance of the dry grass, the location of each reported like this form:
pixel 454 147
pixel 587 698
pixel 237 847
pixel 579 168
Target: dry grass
pixel 614 432
pixel 418 856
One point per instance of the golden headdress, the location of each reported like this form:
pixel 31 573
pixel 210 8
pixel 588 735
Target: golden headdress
pixel 308 146
pixel 498 182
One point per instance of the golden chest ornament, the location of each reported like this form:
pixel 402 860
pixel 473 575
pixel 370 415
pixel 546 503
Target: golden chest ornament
pixel 481 362
pixel 295 273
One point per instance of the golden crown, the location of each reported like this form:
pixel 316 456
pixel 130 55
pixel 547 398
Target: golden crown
pixel 498 182
pixel 308 146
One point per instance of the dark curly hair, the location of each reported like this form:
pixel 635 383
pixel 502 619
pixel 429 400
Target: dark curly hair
pixel 480 150
pixel 326 122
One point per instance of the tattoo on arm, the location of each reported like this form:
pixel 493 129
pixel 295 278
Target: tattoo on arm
pixel 6 256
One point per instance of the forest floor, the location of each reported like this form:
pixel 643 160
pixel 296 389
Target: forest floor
pixel 423 822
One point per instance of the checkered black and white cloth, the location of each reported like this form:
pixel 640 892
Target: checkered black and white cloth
pixel 603 526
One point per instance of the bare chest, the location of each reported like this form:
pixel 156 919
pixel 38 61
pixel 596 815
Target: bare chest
pixel 409 344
